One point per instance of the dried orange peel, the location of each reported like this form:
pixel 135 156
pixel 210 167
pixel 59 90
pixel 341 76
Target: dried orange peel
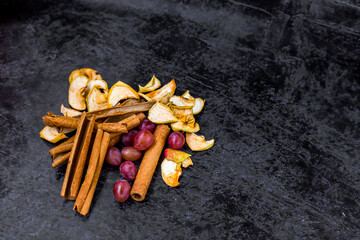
pixel 150 86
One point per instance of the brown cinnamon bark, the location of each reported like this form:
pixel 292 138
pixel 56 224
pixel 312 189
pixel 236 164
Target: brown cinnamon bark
pixel 148 163
pixel 103 150
pixel 64 157
pixel 112 127
pixel 60 121
pixel 60 149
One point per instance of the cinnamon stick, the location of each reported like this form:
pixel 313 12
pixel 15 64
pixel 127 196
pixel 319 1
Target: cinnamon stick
pixel 112 127
pixel 61 159
pixel 85 186
pixel 148 164
pixel 103 150
pixel 60 121
pixel 60 149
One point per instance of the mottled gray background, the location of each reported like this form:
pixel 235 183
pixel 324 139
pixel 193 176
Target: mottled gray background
pixel 281 83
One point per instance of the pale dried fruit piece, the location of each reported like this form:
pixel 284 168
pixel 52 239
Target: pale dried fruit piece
pixel 161 114
pixel 185 127
pixel 187 163
pixel 96 99
pixel 150 86
pixel 120 91
pixel 52 134
pixel 145 97
pixel 198 143
pixel 199 105
pixel 181 101
pixel 183 114
pixel 100 84
pixel 69 112
pixel 175 155
pixel 87 72
pixel 170 172
pixel 165 90
pixel 187 95
pixel 77 92
pixel 166 99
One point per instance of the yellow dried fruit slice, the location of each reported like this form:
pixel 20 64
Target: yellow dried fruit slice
pixel 120 91
pixel 165 99
pixel 69 112
pixel 183 114
pixel 101 84
pixel 161 114
pixel 181 101
pixel 199 105
pixel 170 172
pixel 185 127
pixel 187 95
pixel 198 143
pixel 77 93
pixel 91 74
pixel 52 134
pixel 150 86
pixel 165 90
pixel 145 97
pixel 175 155
pixel 187 163
pixel 96 100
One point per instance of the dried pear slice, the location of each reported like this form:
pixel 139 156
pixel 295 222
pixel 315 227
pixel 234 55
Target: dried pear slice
pixel 161 114
pixel 120 91
pixel 69 112
pixel 185 127
pixel 52 134
pixel 87 72
pixel 198 143
pixel 76 93
pixel 145 97
pixel 101 84
pixel 165 99
pixel 187 95
pixel 181 101
pixel 183 113
pixel 175 155
pixel 187 163
pixel 150 86
pixel 96 99
pixel 199 105
pixel 170 172
pixel 165 90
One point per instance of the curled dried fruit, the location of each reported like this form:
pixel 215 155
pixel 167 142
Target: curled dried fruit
pixel 198 143
pixel 52 134
pixel 69 112
pixel 175 155
pixel 77 93
pixel 161 114
pixel 120 91
pixel 162 92
pixel 96 99
pixel 170 172
pixel 187 163
pixel 199 105
pixel 182 102
pixel 150 86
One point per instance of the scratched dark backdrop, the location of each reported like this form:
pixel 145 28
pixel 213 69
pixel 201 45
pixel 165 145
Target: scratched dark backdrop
pixel 281 83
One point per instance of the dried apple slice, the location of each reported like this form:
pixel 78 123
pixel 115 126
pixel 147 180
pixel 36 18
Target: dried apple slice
pixel 87 72
pixel 199 105
pixel 150 86
pixel 166 99
pixel 161 114
pixel 96 100
pixel 181 101
pixel 170 172
pixel 120 91
pixel 52 134
pixel 183 114
pixel 165 90
pixel 187 163
pixel 101 84
pixel 145 97
pixel 198 143
pixel 176 155
pixel 69 112
pixel 187 95
pixel 77 92
pixel 185 127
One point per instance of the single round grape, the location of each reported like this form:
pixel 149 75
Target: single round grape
pixel 121 190
pixel 130 153
pixel 113 156
pixel 146 124
pixel 176 140
pixel 143 140
pixel 128 170
pixel 128 138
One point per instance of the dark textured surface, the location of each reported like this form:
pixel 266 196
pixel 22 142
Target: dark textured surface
pixel 281 83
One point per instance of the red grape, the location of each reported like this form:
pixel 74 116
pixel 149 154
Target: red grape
pixel 130 153
pixel 143 140
pixel 121 190
pixel 113 156
pixel 128 170
pixel 128 138
pixel 176 140
pixel 146 124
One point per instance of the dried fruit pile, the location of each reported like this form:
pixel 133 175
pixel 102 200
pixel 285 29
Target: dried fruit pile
pixel 112 116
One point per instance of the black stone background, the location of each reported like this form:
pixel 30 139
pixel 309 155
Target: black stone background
pixel 281 83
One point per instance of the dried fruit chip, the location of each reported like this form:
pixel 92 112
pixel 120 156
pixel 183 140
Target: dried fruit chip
pixel 145 97
pixel 187 163
pixel 69 112
pixel 198 143
pixel 77 92
pixel 185 127
pixel 170 172
pixel 66 130
pixel 161 114
pixel 101 84
pixel 120 91
pixel 175 155
pixel 199 105
pixel 166 99
pixel 165 90
pixel 187 95
pixel 181 101
pixel 96 99
pixel 183 114
pixel 150 86
pixel 52 134
pixel 87 72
